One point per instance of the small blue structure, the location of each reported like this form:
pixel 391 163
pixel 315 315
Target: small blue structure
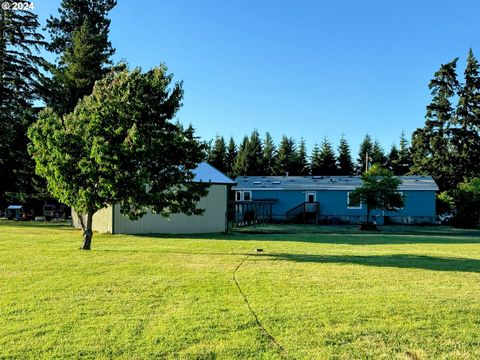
pixel 325 199
pixel 14 212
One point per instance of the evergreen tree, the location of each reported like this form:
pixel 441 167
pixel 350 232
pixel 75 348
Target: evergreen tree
pixel 364 153
pixel 241 163
pixel 218 154
pixel 231 157
pixel 465 132
pixel 326 162
pixel 80 37
pixel 315 165
pixel 302 162
pixel 269 155
pixel 404 156
pixel 430 144
pixel 345 163
pixel 20 79
pixel 378 155
pixel 287 156
pixel 73 14
pixel 393 160
pixel 254 155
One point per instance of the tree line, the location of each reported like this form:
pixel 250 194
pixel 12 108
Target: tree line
pixel 262 156
pixel 446 147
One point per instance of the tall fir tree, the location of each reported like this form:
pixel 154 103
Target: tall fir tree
pixel 430 144
pixel 269 155
pixel 80 38
pixel 20 81
pixel 393 160
pixel 326 162
pixel 465 132
pixel 241 162
pixel 287 156
pixel 218 154
pixel 364 154
pixel 315 165
pixel 231 157
pixel 344 160
pixel 404 156
pixel 254 155
pixel 378 155
pixel 302 161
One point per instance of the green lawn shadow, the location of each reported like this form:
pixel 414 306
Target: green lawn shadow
pixel 394 260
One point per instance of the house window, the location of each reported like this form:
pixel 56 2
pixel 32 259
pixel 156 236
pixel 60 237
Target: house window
pixel 243 196
pixel 351 204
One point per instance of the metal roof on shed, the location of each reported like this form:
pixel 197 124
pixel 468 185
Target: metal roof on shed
pixel 425 183
pixel 14 207
pixel 208 174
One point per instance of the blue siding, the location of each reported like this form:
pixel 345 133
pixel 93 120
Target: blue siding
pixel 334 203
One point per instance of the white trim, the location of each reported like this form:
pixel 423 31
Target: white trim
pixel 348 202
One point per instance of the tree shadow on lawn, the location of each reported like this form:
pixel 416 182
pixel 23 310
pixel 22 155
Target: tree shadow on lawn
pixel 394 260
pixel 357 238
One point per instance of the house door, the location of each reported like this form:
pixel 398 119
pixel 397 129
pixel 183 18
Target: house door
pixel 310 196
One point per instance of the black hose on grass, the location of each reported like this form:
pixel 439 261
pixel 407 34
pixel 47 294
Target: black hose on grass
pixel 262 328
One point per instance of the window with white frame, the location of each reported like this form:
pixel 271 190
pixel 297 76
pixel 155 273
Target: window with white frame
pixel 245 195
pixel 351 204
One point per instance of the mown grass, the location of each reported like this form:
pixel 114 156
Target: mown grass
pixel 321 292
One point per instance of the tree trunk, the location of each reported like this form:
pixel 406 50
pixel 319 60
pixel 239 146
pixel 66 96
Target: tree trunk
pixel 87 233
pixel 368 215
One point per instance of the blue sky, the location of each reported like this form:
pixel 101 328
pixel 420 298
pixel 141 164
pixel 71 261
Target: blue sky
pixel 302 68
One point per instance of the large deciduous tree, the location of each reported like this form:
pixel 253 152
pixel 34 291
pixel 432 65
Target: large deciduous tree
pixel 466 198
pixel 120 146
pixel 379 190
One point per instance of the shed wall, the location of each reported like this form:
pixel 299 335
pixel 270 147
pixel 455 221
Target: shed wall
pixel 102 220
pixel 214 219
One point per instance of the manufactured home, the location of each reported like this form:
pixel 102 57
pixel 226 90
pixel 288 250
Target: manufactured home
pixel 325 199
pixel 214 219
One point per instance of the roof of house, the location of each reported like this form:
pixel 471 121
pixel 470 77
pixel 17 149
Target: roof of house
pixel 324 183
pixel 208 174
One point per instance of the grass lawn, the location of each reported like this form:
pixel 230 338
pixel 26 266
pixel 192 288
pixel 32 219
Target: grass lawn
pixel 320 292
